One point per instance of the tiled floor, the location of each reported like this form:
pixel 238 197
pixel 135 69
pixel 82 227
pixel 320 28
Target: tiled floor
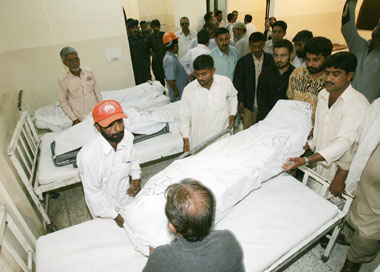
pixel 70 209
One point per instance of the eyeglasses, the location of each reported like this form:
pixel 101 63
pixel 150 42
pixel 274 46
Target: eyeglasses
pixel 184 23
pixel 73 60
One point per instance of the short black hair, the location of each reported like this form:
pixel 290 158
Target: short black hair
pixel 142 22
pixel 221 31
pixel 207 16
pixel 284 43
pixel 203 37
pixel 248 18
pixel 190 208
pixel 281 24
pixel 203 62
pixel 319 45
pixel 171 46
pixel 209 25
pixel 217 12
pixel 256 37
pixel 154 23
pixel 303 36
pixel 346 61
pixel 230 16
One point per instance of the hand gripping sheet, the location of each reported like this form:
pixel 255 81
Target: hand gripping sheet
pixel 231 168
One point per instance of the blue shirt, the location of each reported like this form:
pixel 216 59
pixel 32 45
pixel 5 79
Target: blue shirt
pixel 225 63
pixel 175 71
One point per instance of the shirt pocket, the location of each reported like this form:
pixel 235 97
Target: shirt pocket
pixel 89 85
pixel 125 169
pixel 220 103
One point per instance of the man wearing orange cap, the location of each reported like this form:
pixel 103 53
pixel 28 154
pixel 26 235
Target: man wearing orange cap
pixel 175 74
pixel 107 162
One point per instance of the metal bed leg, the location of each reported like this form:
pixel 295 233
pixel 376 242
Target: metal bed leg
pixel 332 241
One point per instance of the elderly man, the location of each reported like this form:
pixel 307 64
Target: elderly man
pixel 273 81
pixel 157 50
pixel 362 229
pixel 139 54
pixel 305 83
pixel 190 209
pixel 78 89
pixel 186 35
pixel 108 162
pixel 175 74
pixel 299 41
pixel 339 112
pixel 278 33
pixel 225 56
pixel 366 79
pixel 244 81
pixel 239 29
pixel 208 104
pixel 241 44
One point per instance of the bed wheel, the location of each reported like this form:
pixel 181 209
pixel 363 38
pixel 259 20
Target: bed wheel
pixel 324 258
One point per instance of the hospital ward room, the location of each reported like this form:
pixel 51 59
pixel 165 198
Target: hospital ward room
pixel 202 136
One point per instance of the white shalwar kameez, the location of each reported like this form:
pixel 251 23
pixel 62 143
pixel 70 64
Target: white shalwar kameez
pixel 105 174
pixel 205 112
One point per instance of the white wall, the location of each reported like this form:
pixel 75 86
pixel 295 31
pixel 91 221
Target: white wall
pixel 256 8
pixel 194 10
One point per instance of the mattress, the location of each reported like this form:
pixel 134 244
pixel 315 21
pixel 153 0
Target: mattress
pixel 268 223
pixel 148 150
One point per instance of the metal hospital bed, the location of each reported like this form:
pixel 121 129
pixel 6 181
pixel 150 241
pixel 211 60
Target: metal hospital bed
pixel 274 225
pixel 31 156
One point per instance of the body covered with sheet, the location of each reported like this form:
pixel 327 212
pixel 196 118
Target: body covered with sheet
pixel 231 168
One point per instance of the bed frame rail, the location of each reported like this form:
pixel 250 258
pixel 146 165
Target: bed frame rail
pixel 8 224
pixel 23 151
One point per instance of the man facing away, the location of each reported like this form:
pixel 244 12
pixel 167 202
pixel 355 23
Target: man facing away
pixel 366 79
pixel 175 74
pixel 202 49
pixel 340 110
pixel 305 83
pixel 299 41
pixel 208 104
pixel 139 54
pixel 251 28
pixel 190 209
pixel 108 165
pixel 78 89
pixel 273 81
pixel 186 35
pixel 244 81
pixel 225 56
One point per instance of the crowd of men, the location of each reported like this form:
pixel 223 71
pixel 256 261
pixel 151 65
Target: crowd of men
pixel 224 68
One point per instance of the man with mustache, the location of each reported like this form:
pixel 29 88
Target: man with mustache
pixel 108 164
pixel 340 111
pixel 78 89
pixel 299 43
pixel 274 80
pixel 208 104
pixel 225 56
pixel 305 83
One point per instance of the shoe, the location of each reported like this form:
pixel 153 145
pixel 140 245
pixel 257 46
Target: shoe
pixel 341 241
pixel 350 266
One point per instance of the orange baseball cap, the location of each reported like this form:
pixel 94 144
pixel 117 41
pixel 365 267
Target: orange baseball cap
pixel 106 112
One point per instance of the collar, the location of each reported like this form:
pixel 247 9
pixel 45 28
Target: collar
pixel 69 74
pixel 171 54
pixel 106 146
pixel 221 54
pixel 258 59
pixel 202 46
pixel 345 96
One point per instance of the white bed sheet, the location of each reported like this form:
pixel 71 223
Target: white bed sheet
pixel 151 149
pixel 144 95
pixel 269 222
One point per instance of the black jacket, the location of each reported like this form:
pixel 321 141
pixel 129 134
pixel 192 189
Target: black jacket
pixel 245 80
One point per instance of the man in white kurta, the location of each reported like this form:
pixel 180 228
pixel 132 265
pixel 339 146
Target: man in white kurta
pixel 107 162
pixel 340 110
pixel 208 104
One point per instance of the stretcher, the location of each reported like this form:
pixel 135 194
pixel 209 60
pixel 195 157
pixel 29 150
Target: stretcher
pixel 274 225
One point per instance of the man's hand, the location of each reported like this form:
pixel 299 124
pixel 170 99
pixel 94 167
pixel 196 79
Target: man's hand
pixel 338 185
pixel 186 144
pixel 77 121
pixel 231 121
pixel 119 220
pixel 293 163
pixel 134 188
